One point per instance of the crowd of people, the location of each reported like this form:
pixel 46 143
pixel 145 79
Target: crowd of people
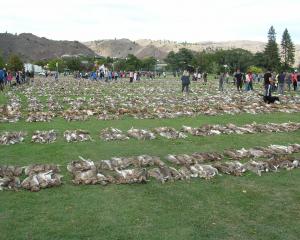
pixel 279 82
pixel 6 77
pixel 20 77
pixel 272 82
pixel 108 75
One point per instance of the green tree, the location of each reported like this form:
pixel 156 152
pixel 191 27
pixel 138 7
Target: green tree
pixel 74 64
pixel 271 51
pixel 255 69
pixel 259 60
pixel 120 65
pixel 234 59
pixel 133 63
pixel 41 63
pixel 203 61
pixel 287 50
pixel 149 63
pixel 15 63
pixel 101 60
pixel 180 60
pixel 214 68
pixel 171 60
pixel 2 63
pixel 52 65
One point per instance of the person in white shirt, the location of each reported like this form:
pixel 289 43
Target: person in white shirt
pixel 131 77
pixel 135 76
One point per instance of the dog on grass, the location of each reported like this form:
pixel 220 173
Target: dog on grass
pixel 270 99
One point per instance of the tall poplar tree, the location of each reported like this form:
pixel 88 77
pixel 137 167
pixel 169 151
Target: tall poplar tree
pixel 287 50
pixel 1 60
pixel 271 51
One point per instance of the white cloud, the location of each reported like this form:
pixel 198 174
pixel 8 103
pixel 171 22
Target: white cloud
pixel 188 20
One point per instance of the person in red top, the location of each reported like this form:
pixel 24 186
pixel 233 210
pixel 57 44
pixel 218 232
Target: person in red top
pixel 294 80
pixel 249 81
pixel 9 78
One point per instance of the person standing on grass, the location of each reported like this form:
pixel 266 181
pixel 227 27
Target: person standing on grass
pixel 106 75
pixel 185 80
pixel 239 80
pixel 18 77
pixel 9 78
pixel 199 76
pixel 247 82
pixel 131 77
pixel 1 80
pixel 56 76
pixel 135 76
pixel 195 76
pixel 27 77
pixel 294 80
pixel 5 76
pixel 298 81
pixel 267 83
pixel 222 79
pixel 281 82
pixel 138 77
pixel 116 76
pixel 227 77
pixel 288 81
pixel 251 78
pixel 205 78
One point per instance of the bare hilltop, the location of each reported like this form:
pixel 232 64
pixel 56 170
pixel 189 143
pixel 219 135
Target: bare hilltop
pixel 160 48
pixel 120 48
pixel 31 47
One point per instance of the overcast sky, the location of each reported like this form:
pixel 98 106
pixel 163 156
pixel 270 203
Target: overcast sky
pixel 188 20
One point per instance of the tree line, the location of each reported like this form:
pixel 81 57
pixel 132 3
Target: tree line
pixel 208 60
pixel 215 60
pixel 81 63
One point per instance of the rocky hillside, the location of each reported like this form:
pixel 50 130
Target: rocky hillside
pixel 159 49
pixel 31 47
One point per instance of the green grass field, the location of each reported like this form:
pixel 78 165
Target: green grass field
pixel 227 207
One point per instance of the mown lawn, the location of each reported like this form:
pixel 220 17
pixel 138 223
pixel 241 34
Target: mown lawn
pixel 227 207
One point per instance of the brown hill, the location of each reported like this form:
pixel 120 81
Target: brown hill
pixel 120 48
pixel 31 47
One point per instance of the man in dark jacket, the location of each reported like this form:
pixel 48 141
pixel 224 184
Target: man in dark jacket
pixel 185 79
pixel 205 77
pixel 281 82
pixel 239 80
pixel 1 79
pixel 5 76
pixel 267 83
